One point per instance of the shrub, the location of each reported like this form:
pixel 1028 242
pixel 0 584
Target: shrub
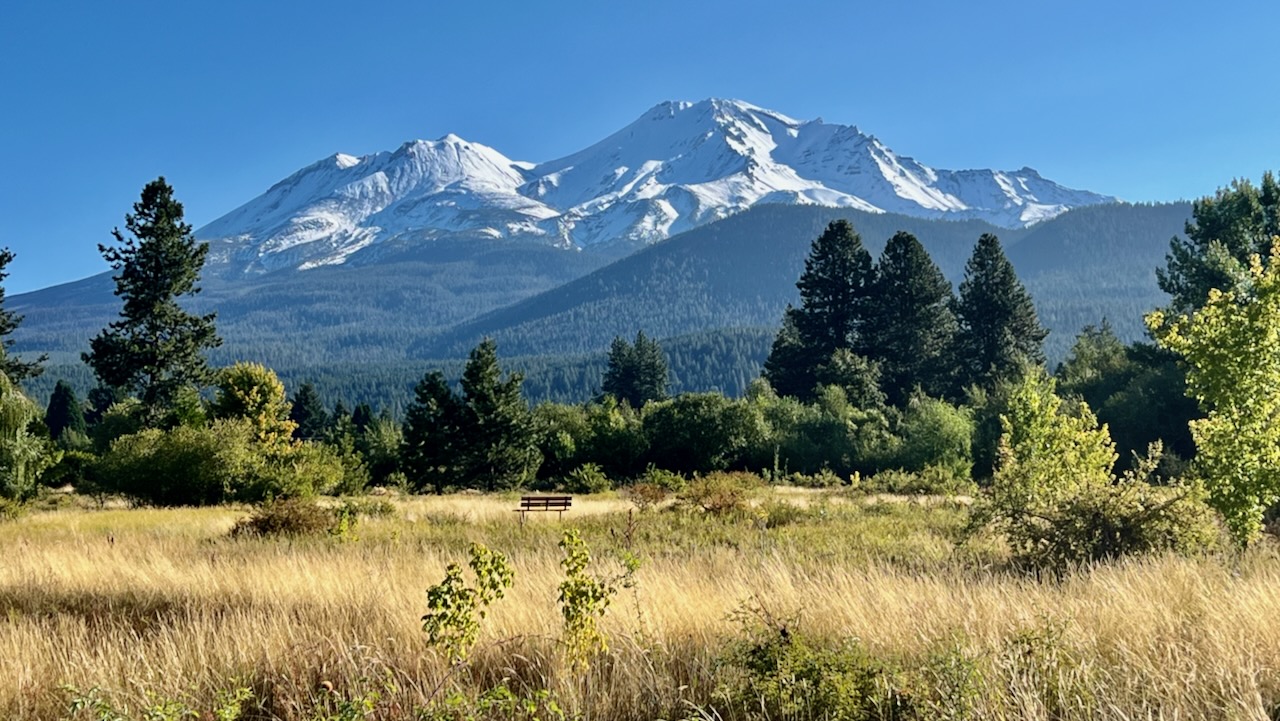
pixel 775 513
pixel 823 478
pixel 936 434
pixel 587 478
pixel 777 672
pixel 1129 517
pixel 662 478
pixel 721 493
pixel 646 495
pixel 931 481
pixel 287 517
pixel 214 464
pixel 702 432
pixel 1056 502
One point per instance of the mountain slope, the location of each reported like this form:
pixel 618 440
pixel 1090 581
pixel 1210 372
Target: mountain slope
pixel 1080 267
pixel 677 167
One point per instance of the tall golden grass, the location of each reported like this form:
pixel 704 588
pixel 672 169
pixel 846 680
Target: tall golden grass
pixel 147 604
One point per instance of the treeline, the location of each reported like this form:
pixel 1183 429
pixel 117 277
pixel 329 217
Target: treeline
pixel 881 374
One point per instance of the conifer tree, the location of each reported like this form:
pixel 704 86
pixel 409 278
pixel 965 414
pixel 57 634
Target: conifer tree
pixel 15 368
pixel 636 373
pixel 1226 230
pixel 500 450
pixel 910 328
pixel 156 348
pixel 833 306
pixel 433 436
pixel 309 413
pixel 999 332
pixel 64 412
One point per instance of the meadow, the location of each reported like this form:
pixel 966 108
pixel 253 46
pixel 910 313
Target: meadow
pixel 813 604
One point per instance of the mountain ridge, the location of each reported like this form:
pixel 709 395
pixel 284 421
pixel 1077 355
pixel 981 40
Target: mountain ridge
pixel 677 167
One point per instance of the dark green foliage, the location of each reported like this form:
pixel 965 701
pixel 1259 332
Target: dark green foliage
pixel 484 439
pixel 12 366
pixel 500 449
pixel 431 452
pixel 362 416
pixel 636 372
pixel 1225 230
pixel 1139 391
pixel 910 328
pixel 701 432
pixel 998 327
pixel 156 348
pixel 309 413
pixel 834 287
pixel 64 412
pixel 854 374
pixel 788 368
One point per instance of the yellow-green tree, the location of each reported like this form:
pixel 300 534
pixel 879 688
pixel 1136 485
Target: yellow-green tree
pixel 23 455
pixel 1231 345
pixel 252 391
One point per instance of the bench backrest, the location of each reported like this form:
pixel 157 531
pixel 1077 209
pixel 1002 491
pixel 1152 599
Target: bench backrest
pixel 547 502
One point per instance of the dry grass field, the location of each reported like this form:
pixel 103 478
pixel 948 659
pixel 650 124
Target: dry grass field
pixel 142 608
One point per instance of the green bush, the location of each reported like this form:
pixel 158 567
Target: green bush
pixel 1130 517
pixel 646 495
pixel 780 673
pixel 667 480
pixel 587 478
pixel 192 466
pixel 721 493
pixel 287 517
pixel 936 434
pixel 931 481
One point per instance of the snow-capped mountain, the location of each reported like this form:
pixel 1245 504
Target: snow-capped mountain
pixel 678 166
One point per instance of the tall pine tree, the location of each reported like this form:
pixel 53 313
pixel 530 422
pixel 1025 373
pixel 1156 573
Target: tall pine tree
pixel 999 332
pixel 500 449
pixel 309 413
pixel 910 328
pixel 434 434
pixel 64 412
pixel 12 366
pixel 637 372
pixel 833 305
pixel 156 348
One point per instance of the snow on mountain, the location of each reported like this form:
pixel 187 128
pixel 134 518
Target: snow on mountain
pixel 678 166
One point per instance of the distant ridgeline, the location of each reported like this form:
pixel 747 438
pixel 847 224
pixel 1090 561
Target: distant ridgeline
pixel 713 296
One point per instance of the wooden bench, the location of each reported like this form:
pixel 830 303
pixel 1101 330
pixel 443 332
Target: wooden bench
pixel 559 504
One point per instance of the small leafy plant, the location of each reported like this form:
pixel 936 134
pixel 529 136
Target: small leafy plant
pixel 454 609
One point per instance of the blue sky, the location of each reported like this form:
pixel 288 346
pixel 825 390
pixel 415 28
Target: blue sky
pixel 1143 100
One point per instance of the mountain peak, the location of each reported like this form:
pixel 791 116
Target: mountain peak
pixel 679 165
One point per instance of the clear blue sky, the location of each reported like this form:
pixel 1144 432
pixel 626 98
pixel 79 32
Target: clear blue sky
pixel 1143 100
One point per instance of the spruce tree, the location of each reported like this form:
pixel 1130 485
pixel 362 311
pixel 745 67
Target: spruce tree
pixel 999 332
pixel 636 373
pixel 500 450
pixel 910 328
pixel 15 368
pixel 64 412
pixel 156 348
pixel 309 413
pixel 434 434
pixel 833 306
